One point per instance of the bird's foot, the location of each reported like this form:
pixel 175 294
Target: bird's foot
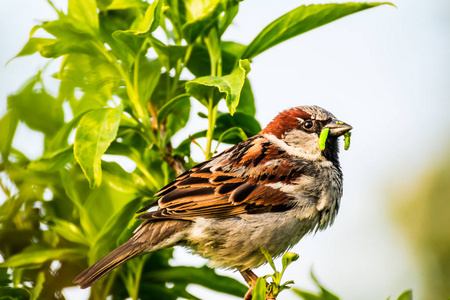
pixel 251 279
pixel 248 295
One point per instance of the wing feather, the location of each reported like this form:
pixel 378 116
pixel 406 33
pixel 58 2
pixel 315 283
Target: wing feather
pixel 235 182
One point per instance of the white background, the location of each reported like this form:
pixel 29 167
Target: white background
pixel 385 71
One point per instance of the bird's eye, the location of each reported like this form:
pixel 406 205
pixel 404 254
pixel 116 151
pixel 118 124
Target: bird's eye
pixel 308 124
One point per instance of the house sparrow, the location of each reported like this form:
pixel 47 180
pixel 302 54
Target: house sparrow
pixel 265 192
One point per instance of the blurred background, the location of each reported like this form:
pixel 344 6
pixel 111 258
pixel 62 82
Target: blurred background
pixel 386 71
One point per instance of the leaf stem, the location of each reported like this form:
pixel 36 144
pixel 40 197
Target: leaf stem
pixel 105 291
pixel 213 45
pixel 137 280
pixel 147 175
pixel 211 124
pixel 5 190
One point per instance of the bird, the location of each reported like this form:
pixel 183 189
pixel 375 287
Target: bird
pixel 266 192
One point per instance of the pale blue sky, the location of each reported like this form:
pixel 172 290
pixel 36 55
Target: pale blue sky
pixel 385 71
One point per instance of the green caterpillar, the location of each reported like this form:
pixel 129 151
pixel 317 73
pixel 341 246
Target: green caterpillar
pixel 323 138
pixel 324 135
pixel 347 140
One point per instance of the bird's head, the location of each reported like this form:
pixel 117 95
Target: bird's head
pixel 308 131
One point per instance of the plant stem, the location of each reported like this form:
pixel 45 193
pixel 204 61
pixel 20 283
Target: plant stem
pixel 147 175
pixel 137 280
pixel 5 190
pixel 108 285
pixel 213 45
pixel 212 123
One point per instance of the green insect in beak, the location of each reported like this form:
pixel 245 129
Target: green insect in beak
pixel 324 135
pixel 347 140
pixel 323 138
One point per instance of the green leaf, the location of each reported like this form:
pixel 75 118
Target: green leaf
pixel 199 63
pixel 407 295
pixel 168 54
pixel 259 291
pixel 201 16
pixel 247 100
pixel 118 188
pixel 236 81
pixel 306 295
pixel 8 125
pixel 176 292
pixel 288 258
pixel 247 123
pixel 228 18
pixel 68 231
pixel 214 52
pixel 170 106
pixel 10 293
pixel 203 276
pixel 64 28
pixel 72 188
pixel 36 256
pixel 4 277
pixel 96 77
pixel 63 47
pixel 53 162
pixel 38 109
pixel 268 258
pixel 34 45
pixel 38 285
pixel 301 20
pixel 125 4
pixel 324 293
pixel 60 140
pixel 77 190
pixel 108 236
pixel 232 133
pixel 149 73
pixel 232 48
pixel 96 131
pixel 123 149
pixel 143 27
pixel 72 37
pixel 176 12
pixel 202 115
pixel 178 117
pixel 228 87
pixel 84 14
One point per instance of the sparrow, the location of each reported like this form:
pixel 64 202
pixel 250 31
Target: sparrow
pixel 265 192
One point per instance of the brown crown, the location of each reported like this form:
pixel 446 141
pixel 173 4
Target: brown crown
pixel 284 121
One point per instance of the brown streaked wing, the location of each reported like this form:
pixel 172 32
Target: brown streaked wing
pixel 227 191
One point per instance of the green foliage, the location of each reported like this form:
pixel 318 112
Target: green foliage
pixel 262 289
pixel 69 207
pixel 422 211
pixel 96 130
pixel 407 295
pixel 324 294
pixel 301 20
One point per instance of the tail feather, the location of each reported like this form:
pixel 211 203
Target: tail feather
pixel 108 263
pixel 149 235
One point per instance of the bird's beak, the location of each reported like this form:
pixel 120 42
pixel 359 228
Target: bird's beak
pixel 338 128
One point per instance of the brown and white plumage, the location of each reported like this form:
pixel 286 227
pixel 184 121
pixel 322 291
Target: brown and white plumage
pixel 268 191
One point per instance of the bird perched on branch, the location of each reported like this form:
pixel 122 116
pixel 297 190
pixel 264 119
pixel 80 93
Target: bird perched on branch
pixel 265 192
